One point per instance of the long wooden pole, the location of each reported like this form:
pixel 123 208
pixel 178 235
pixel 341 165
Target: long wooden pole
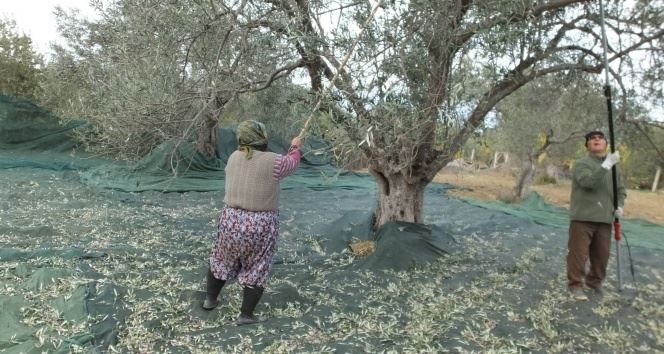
pixel 340 68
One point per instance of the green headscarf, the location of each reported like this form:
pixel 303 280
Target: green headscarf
pixel 251 135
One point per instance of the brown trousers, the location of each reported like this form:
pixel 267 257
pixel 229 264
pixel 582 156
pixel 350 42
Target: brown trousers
pixel 587 240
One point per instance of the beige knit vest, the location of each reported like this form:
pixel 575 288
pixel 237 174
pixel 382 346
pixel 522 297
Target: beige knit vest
pixel 250 184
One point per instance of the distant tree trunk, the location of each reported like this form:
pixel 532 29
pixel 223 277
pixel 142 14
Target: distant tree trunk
pixel 655 182
pixel 529 167
pixel 526 177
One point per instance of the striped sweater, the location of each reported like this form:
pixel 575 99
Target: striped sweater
pixel 254 184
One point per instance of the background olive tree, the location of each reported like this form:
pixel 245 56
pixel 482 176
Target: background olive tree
pixel 20 64
pixel 547 113
pixel 149 71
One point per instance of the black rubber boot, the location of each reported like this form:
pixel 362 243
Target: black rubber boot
pixel 250 299
pixel 214 286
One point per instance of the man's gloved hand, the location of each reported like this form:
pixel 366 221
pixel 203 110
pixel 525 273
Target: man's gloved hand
pixel 611 159
pixel 619 212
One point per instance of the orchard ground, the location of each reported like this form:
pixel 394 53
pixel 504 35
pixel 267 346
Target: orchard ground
pixel 88 269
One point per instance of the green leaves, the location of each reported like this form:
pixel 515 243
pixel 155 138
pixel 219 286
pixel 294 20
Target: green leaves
pixel 20 65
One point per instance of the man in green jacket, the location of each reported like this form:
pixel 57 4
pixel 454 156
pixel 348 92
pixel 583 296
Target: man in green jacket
pixel 591 216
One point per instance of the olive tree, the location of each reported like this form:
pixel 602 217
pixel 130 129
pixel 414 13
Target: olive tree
pixel 409 97
pixel 546 114
pixel 143 72
pixel 20 64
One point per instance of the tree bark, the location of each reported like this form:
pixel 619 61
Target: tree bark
pixel 526 178
pixel 655 182
pixel 207 130
pixel 207 135
pixel 400 197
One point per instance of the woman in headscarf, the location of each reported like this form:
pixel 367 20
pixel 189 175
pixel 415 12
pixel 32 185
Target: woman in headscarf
pixel 248 226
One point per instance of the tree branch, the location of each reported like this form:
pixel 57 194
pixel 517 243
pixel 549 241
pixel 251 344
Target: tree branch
pixel 658 150
pixel 278 73
pixel 513 81
pixel 534 11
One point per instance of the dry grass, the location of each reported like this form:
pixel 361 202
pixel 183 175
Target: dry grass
pixel 493 184
pixel 363 248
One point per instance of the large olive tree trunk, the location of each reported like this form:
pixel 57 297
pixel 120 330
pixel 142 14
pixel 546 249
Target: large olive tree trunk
pixel 400 198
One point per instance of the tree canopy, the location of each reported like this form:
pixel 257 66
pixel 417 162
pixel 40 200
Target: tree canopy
pixel 20 65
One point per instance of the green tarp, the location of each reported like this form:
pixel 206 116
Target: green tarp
pixel 89 264
pixel 637 232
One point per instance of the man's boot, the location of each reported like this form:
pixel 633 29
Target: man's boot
pixel 214 286
pixel 250 299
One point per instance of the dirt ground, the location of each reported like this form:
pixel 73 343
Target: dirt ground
pixel 495 184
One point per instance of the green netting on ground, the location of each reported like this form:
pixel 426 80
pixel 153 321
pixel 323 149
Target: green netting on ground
pixel 88 269
pixel 399 246
pixel 26 126
pixel 31 136
pixel 89 265
pixel 179 167
pixel 638 232
pixel 17 336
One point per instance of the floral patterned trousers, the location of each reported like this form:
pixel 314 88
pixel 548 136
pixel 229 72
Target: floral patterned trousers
pixel 246 243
